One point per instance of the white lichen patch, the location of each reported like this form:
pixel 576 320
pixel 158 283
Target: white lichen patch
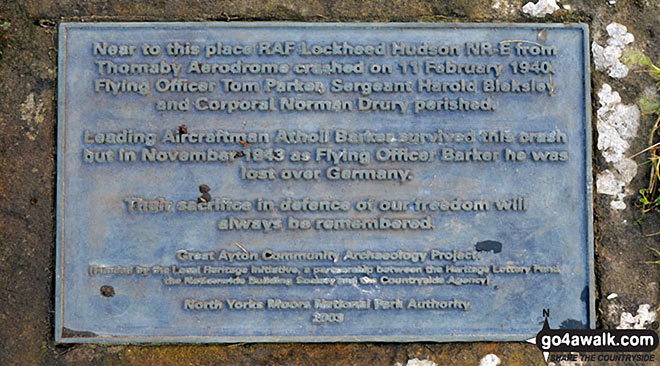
pixel 417 362
pixel 490 360
pixel 644 317
pixel 32 111
pixel 504 6
pixel 619 35
pixel 541 8
pixel 617 124
pixel 607 58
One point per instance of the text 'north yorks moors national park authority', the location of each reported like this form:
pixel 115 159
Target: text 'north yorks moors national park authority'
pixel 283 182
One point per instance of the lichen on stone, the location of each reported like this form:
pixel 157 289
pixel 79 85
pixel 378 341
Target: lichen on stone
pixel 490 360
pixel 541 8
pixel 644 317
pixel 417 362
pixel 617 124
pixel 505 7
pixel 32 112
pixel 607 58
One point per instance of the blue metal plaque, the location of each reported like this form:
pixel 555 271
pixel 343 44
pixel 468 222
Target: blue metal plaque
pixel 322 182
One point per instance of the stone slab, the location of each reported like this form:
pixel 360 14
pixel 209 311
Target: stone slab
pixel 496 186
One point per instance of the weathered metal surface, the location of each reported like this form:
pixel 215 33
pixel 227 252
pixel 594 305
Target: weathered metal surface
pixel 514 219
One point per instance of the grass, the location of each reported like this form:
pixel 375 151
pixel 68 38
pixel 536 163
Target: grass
pixel 649 196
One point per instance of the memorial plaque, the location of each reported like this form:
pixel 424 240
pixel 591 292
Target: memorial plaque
pixel 322 182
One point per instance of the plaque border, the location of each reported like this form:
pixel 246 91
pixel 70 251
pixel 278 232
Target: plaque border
pixel 61 337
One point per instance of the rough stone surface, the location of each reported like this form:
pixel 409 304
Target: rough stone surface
pixel 28 73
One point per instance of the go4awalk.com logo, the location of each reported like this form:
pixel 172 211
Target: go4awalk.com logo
pixel 621 345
